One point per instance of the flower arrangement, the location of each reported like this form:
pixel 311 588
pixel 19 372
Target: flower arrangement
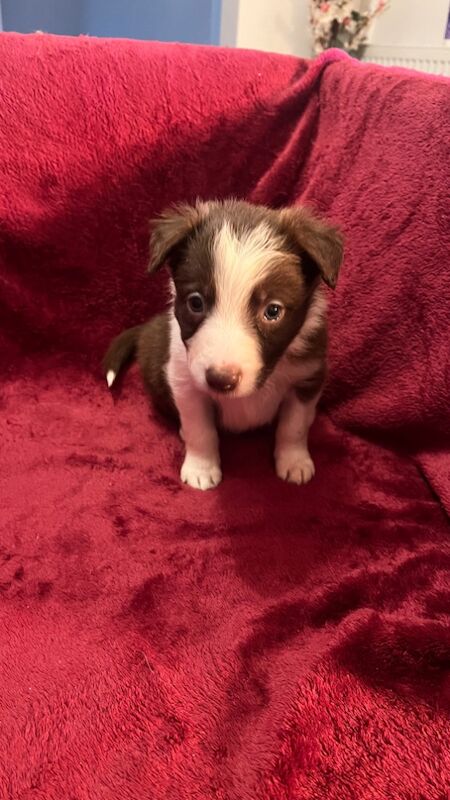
pixel 343 23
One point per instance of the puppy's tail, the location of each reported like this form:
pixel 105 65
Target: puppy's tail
pixel 120 352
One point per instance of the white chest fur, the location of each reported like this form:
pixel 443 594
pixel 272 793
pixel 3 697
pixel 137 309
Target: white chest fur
pixel 259 408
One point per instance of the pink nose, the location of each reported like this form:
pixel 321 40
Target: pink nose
pixel 224 379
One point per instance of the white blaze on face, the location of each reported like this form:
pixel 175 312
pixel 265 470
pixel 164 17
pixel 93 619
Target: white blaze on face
pixel 227 337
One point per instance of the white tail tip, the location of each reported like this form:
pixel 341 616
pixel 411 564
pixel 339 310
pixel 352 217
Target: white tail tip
pixel 110 377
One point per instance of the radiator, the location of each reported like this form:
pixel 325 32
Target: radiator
pixel 425 59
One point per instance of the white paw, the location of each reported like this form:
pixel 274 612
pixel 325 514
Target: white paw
pixel 294 465
pixel 200 473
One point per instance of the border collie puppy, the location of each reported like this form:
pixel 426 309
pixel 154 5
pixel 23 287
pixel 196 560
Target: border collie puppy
pixel 244 340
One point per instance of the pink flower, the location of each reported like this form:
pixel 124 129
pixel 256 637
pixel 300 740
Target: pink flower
pixel 326 7
pixel 346 21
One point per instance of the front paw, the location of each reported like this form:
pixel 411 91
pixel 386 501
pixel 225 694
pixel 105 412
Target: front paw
pixel 201 473
pixel 294 465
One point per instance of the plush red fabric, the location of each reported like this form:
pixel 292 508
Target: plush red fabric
pixel 260 640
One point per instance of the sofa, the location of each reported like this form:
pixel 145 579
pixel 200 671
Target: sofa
pixel 261 640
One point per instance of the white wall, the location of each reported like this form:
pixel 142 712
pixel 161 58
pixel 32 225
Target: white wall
pixel 283 25
pixel 412 23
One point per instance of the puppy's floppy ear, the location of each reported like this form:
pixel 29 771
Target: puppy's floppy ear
pixel 322 242
pixel 171 229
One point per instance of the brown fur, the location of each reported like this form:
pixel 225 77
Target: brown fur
pixel 170 229
pixel 287 284
pixel 122 350
pixel 152 357
pixel 306 234
pixel 319 240
pixel 309 388
pixel 183 236
pixel 314 346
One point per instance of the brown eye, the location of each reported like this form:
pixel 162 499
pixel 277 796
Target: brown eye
pixel 273 312
pixel 195 303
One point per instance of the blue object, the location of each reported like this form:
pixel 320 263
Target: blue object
pixel 196 21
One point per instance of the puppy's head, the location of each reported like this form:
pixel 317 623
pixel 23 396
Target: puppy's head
pixel 244 278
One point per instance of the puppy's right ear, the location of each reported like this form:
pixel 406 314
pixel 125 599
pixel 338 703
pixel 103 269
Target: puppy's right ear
pixel 170 230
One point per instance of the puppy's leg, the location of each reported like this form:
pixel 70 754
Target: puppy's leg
pixel 201 466
pixel 292 459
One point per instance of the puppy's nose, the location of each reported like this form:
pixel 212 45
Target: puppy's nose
pixel 224 379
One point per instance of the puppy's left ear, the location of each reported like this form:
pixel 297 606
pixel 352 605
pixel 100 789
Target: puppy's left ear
pixel 170 230
pixel 320 241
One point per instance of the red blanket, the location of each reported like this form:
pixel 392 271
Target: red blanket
pixel 260 640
